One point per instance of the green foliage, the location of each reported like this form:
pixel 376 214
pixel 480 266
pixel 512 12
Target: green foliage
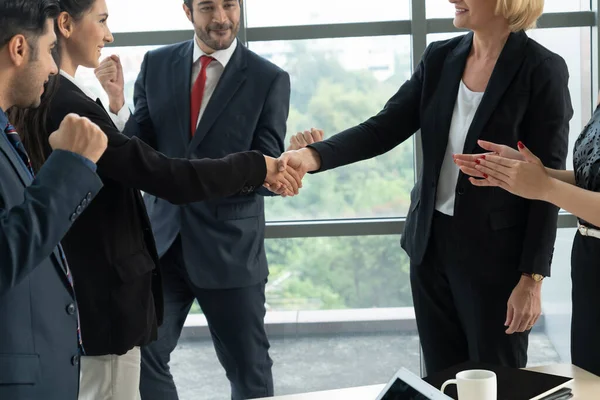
pixel 341 272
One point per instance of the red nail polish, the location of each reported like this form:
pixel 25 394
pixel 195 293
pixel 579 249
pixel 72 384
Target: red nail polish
pixel 482 157
pixel 485 176
pixel 478 162
pixel 521 145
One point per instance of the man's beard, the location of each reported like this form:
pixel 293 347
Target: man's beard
pixel 26 92
pixel 216 44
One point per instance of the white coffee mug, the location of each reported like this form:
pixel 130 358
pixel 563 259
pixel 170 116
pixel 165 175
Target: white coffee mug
pixel 475 384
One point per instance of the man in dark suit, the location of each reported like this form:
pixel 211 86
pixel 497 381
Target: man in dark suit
pixel 211 251
pixel 39 340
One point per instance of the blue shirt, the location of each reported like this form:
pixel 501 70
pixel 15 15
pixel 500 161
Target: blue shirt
pixel 4 123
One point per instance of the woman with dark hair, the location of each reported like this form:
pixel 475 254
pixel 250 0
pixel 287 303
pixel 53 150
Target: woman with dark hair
pixel 110 247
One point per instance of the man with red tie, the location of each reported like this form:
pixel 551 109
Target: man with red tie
pixel 209 97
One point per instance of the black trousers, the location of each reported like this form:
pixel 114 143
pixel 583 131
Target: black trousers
pixel 461 303
pixel 585 323
pixel 236 322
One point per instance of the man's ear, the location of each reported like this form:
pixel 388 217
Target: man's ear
pixel 188 13
pixel 19 50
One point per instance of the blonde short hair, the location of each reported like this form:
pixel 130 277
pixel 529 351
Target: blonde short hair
pixel 521 14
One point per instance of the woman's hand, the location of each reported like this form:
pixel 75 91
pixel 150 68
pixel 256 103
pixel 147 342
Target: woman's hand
pixel 467 162
pixel 528 179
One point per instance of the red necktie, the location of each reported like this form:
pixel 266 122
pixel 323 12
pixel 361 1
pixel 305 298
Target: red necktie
pixel 198 92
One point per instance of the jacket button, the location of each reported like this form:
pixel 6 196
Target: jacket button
pixel 73 217
pixel 84 202
pixel 79 209
pixel 75 360
pixel 71 309
pixel 89 197
pixel 461 191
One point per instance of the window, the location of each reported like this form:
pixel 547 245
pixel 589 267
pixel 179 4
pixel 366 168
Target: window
pixel 146 15
pixel 336 84
pixel 445 9
pixel 359 272
pixel 262 13
pixel 131 58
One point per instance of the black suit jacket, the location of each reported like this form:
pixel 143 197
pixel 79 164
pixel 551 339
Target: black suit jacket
pixel 38 321
pixel 527 99
pixel 222 239
pixel 111 248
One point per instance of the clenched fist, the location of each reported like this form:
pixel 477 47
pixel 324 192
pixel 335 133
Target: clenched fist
pixel 81 136
pixel 110 76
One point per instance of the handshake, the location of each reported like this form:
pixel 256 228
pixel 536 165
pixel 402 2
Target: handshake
pixel 285 174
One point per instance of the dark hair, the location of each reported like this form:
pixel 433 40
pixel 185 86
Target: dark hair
pixel 31 123
pixel 26 17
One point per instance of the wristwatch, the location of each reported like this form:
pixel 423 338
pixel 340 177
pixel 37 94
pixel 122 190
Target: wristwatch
pixel 535 277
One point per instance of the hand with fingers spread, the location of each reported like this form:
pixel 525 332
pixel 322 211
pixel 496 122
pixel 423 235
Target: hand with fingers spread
pixel 467 162
pixel 528 179
pixel 110 76
pixel 524 306
pixel 303 139
pixel 286 182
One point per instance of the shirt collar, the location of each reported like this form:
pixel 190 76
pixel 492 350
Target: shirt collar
pixel 80 86
pixel 222 56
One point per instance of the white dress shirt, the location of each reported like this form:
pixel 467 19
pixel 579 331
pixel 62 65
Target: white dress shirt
pixel 117 119
pixel 465 108
pixel 214 71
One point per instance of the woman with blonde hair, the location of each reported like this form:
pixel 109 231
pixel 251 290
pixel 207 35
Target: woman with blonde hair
pixel 478 256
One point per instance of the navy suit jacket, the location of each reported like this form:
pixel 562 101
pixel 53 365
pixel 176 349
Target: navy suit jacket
pixel 223 239
pixel 38 320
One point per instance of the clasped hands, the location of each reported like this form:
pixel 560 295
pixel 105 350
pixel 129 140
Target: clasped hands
pixel 285 174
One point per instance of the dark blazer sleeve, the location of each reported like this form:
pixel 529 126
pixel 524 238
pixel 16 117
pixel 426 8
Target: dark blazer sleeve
pixel 140 124
pixel 30 231
pixel 135 164
pixel 398 121
pixel 546 133
pixel 269 136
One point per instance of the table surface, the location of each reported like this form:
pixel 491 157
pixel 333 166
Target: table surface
pixel 585 385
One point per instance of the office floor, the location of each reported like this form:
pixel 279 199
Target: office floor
pixel 317 363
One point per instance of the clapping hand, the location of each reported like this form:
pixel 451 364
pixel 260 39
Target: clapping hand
pixel 468 162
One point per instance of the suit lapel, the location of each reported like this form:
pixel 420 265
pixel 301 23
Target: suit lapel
pixel 447 93
pixel 233 77
pixel 5 147
pixel 508 64
pixel 181 79
pixel 17 163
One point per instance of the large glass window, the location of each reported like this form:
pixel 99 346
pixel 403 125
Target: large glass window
pixel 146 15
pixel 336 84
pixel 131 58
pixel 261 13
pixel 445 9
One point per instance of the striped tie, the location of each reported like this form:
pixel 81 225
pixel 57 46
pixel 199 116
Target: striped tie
pixel 15 140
